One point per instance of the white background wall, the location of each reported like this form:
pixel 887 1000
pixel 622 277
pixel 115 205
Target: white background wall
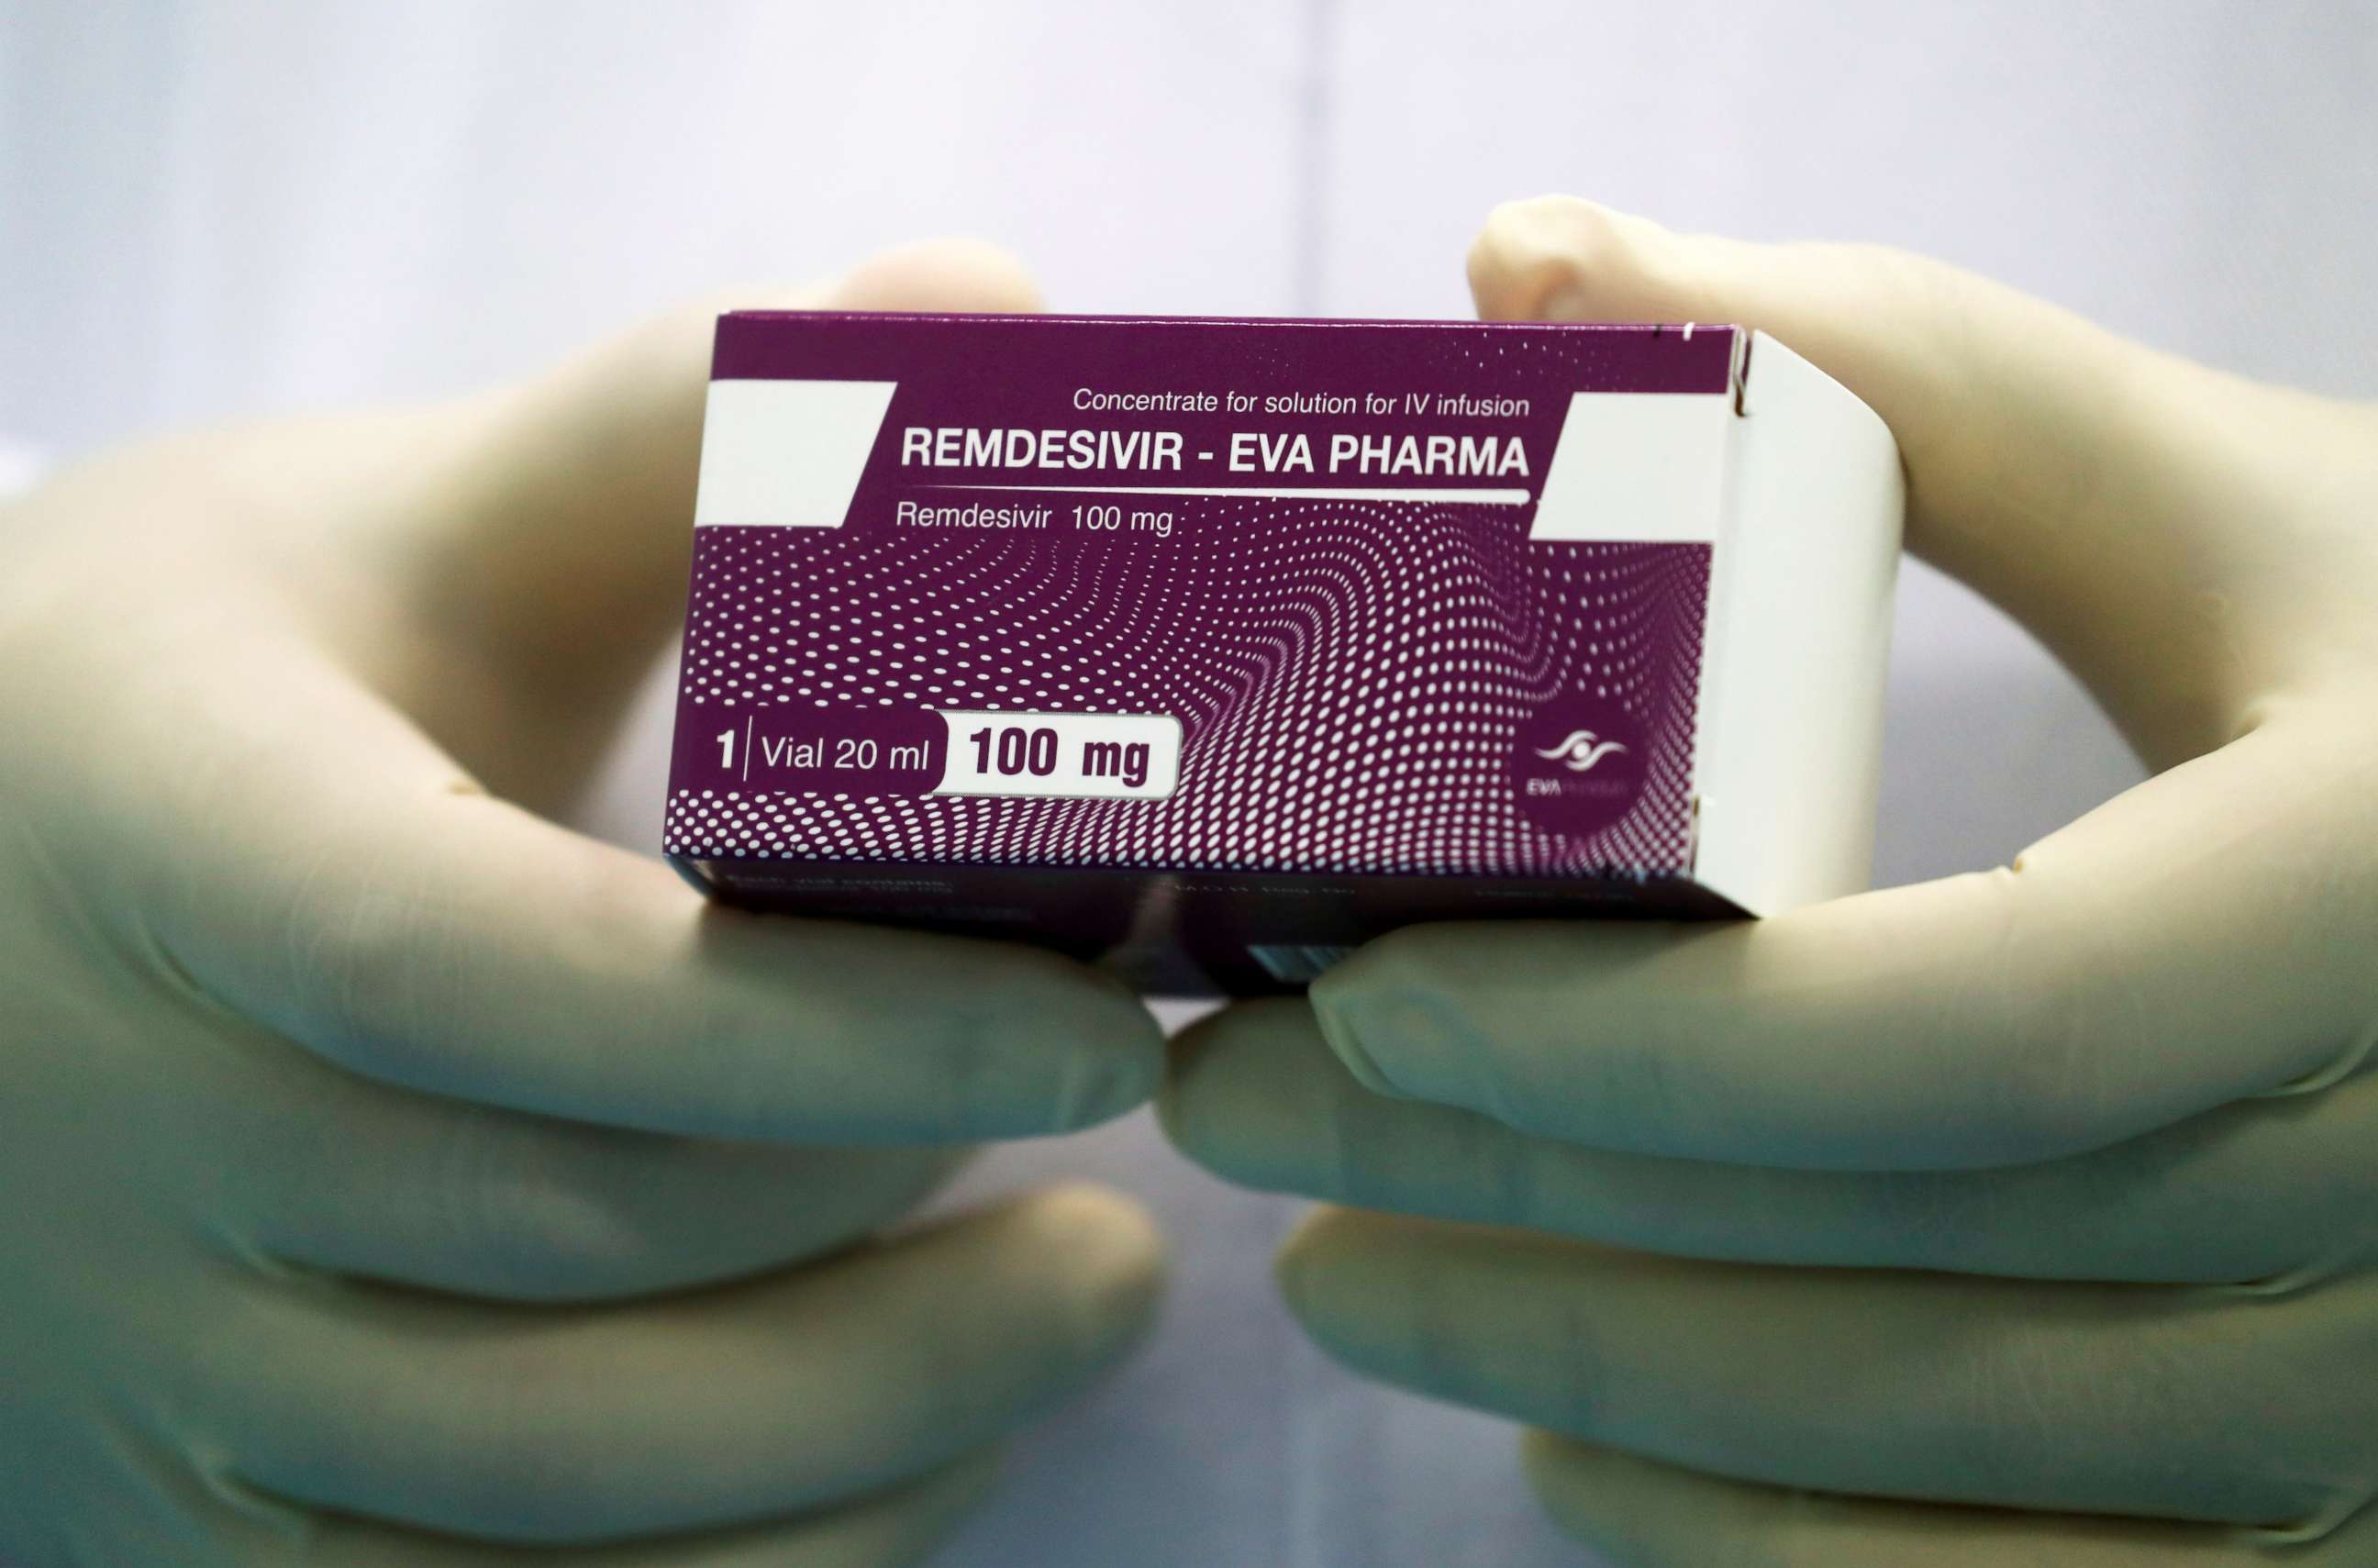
pixel 218 208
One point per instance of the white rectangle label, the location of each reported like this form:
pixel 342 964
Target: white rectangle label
pixel 1638 467
pixel 786 455
pixel 1100 756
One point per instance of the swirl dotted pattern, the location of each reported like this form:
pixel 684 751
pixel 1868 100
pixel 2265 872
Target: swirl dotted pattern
pixel 1350 677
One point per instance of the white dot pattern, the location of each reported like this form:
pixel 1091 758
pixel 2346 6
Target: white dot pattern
pixel 1350 677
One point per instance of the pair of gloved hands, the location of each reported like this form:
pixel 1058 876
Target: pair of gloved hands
pixel 389 1178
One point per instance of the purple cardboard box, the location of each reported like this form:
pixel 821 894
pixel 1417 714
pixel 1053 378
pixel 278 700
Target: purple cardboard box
pixel 1212 648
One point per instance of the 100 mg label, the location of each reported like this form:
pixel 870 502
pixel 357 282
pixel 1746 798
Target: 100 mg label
pixel 916 751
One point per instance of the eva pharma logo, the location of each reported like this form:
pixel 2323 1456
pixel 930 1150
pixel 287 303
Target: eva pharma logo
pixel 1576 764
pixel 1581 750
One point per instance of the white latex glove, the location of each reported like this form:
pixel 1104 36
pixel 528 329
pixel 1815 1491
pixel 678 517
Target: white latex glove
pixel 2049 1190
pixel 387 1174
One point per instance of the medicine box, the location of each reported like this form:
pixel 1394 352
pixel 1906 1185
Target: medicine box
pixel 1211 648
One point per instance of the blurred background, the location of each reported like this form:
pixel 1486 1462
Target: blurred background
pixel 218 209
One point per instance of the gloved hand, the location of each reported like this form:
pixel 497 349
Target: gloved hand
pixel 388 1175
pixel 2023 1217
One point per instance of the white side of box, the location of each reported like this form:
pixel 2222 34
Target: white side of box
pixel 1790 728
